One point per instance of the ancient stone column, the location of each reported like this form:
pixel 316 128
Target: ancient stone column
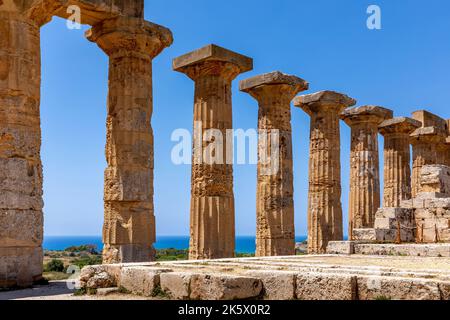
pixel 364 164
pixel 275 232
pixel 129 227
pixel 397 168
pixel 324 197
pixel 21 204
pixel 213 69
pixel 428 144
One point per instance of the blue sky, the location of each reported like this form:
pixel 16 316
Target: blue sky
pixel 404 66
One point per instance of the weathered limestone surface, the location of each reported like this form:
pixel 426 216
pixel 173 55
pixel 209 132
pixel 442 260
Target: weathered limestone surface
pixel 435 179
pixel 324 197
pixel 324 277
pixel 364 166
pixel 429 145
pixel 275 234
pixel 129 226
pixel 389 249
pixel 397 169
pixel 395 225
pixel 21 204
pixel 432 205
pixel 213 69
pixel 92 11
pixel 423 219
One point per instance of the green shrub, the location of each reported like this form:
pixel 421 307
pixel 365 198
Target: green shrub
pixel 54 265
pixel 87 261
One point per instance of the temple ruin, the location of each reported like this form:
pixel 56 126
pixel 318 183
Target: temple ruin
pixel 413 219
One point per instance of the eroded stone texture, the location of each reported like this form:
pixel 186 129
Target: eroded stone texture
pixel 92 11
pixel 324 197
pixel 364 164
pixel 129 226
pixel 275 233
pixel 397 169
pixel 429 145
pixel 21 204
pixel 213 69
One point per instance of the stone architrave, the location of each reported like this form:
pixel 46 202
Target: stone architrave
pixel 129 226
pixel 397 158
pixel 364 164
pixel 275 232
pixel 324 197
pixel 212 230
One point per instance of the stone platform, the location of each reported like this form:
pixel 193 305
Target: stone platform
pixel 389 249
pixel 312 277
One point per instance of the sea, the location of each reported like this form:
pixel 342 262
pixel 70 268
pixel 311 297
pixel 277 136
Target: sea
pixel 244 244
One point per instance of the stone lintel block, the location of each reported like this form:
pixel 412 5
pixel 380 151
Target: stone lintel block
pixel 212 52
pixel 368 113
pixel 272 79
pixel 429 119
pixel 366 234
pixel 320 286
pixel 399 125
pixel 435 179
pixel 341 247
pixel 93 11
pixel 312 103
pixel 131 34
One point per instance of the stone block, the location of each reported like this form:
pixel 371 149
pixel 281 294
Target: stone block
pixel 176 284
pixel 319 286
pixel 20 266
pixel 224 287
pixel 212 53
pixel 278 285
pixel 340 247
pixel 367 234
pixel 21 228
pixel 140 280
pixel 435 179
pixel 100 276
pixel 376 287
pixel 128 185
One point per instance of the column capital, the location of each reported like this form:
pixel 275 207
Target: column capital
pixel 212 60
pixel 398 125
pixel 123 35
pixel 274 84
pixel 323 100
pixel 366 114
pixel 428 135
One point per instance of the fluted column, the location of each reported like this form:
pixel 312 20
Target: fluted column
pixel 364 164
pixel 212 68
pixel 275 232
pixel 129 227
pixel 324 196
pixel 428 144
pixel 397 168
pixel 21 203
